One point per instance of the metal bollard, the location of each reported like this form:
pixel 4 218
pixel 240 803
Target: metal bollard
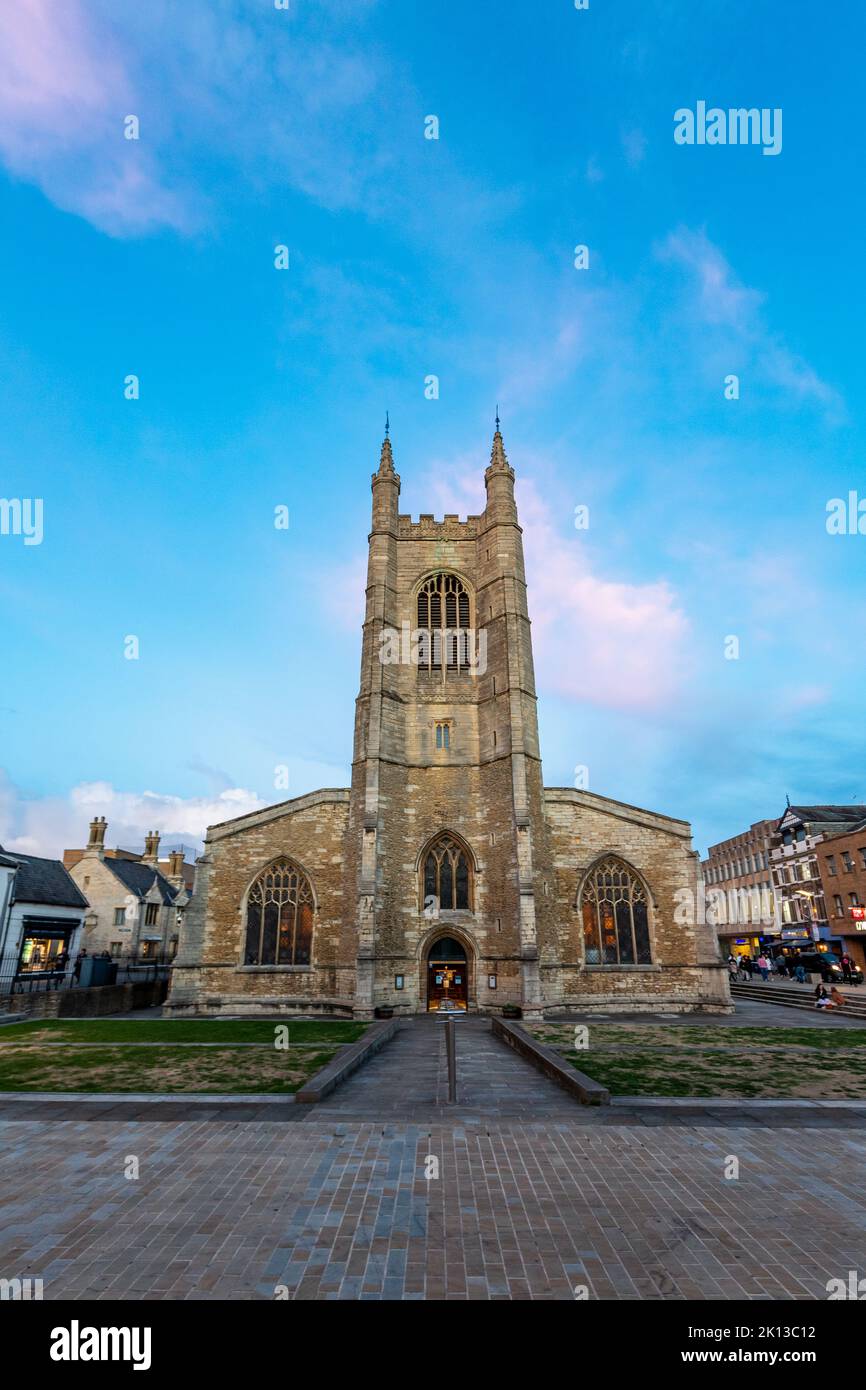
pixel 451 1053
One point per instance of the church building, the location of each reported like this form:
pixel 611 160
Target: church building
pixel 447 875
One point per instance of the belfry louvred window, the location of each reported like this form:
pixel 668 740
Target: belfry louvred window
pixel 615 916
pixel 443 620
pixel 279 917
pixel 447 876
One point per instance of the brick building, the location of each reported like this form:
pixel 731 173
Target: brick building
pixel 740 891
pixel 447 874
pixel 842 866
pixel 802 877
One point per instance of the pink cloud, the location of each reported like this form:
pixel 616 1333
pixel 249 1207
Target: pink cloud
pixel 64 93
pixel 610 642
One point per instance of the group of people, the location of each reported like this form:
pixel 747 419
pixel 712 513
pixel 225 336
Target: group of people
pixel 833 1000
pixel 744 967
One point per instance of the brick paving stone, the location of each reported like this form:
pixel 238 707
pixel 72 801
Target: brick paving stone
pixel 534 1197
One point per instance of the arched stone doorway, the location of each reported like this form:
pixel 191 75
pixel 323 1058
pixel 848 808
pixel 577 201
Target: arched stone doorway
pixel 447 971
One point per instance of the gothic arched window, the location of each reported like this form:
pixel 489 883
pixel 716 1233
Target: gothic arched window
pixel 447 877
pixel 279 917
pixel 615 915
pixel 443 620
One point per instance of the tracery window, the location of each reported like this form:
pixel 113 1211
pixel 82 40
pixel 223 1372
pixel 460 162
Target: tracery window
pixel 615 915
pixel 447 876
pixel 279 917
pixel 443 619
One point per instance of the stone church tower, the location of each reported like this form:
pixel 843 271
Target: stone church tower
pixel 447 876
pixel 446 744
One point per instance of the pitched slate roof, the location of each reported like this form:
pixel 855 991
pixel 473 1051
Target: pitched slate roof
pixel 835 815
pixel 42 881
pixel 138 878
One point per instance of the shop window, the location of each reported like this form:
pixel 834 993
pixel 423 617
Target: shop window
pixel 615 915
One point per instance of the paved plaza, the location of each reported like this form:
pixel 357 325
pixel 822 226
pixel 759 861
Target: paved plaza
pixel 384 1191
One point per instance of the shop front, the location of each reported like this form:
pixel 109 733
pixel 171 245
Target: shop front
pixel 45 946
pixel 854 936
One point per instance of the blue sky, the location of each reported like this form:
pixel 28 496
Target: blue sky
pixel 412 257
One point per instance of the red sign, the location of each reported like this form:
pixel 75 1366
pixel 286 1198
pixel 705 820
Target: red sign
pixel 859 914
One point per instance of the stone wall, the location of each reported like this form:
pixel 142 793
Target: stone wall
pixel 94 1002
pixel 209 974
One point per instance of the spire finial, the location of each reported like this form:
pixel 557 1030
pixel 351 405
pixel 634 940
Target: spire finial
pixel 386 458
pixel 497 415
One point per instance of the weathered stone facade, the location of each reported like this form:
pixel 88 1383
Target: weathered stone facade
pixel 445 745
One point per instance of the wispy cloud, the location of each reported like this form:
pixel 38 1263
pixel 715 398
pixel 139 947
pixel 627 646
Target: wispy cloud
pixel 598 639
pixel 717 298
pixel 64 92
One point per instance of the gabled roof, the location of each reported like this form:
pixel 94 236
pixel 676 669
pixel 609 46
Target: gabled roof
pixel 42 881
pixel 138 878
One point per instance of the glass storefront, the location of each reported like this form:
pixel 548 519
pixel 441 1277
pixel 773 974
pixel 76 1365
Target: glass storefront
pixel 44 949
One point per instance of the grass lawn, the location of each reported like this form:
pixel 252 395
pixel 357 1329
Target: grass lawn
pixel 182 1030
pixel 48 1055
pixel 766 1063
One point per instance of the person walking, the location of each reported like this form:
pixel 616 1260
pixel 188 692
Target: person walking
pixel 764 967
pixel 846 968
pixel 781 968
pixel 79 961
pixel 800 974
pixel 733 969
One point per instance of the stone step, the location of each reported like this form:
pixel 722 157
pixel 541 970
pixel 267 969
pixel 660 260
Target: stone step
pixel 795 999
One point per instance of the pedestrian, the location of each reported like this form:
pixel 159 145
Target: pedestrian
pixel 733 968
pixel 79 961
pixel 764 967
pixel 846 968
pixel 800 974
pixel 781 967
pixel 746 966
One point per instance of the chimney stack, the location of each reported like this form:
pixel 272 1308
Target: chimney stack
pixel 175 867
pixel 96 843
pixel 151 848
